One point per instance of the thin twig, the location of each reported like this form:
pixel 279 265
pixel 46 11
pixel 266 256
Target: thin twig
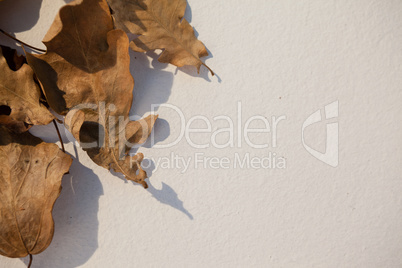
pixel 30 260
pixel 61 140
pixel 19 41
pixel 58 133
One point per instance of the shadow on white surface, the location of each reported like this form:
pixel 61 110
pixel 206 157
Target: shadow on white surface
pixel 168 196
pixel 153 86
pixel 19 15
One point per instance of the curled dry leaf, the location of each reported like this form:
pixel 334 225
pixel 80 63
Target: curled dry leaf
pixel 20 96
pixel 160 25
pixel 85 74
pixel 30 181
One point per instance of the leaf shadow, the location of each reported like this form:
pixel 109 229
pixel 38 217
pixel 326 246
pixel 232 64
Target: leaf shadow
pixel 166 195
pixel 13 11
pixel 48 133
pixel 76 221
pixel 188 14
pixel 152 87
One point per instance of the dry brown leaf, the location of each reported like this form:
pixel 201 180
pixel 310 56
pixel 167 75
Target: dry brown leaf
pixel 14 60
pixel 13 125
pixel 85 73
pixel 160 25
pixel 19 94
pixel 30 182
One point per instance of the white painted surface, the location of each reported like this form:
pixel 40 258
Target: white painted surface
pixel 278 58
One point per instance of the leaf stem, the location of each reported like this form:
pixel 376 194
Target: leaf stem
pixel 30 260
pixel 58 134
pixel 19 41
pixel 212 72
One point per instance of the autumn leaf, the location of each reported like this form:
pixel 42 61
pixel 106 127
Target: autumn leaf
pixel 20 96
pixel 85 74
pixel 160 25
pixel 14 60
pixel 30 181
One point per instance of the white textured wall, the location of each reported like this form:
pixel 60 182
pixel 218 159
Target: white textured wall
pixel 278 58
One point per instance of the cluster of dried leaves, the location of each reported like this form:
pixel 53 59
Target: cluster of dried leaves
pixel 84 71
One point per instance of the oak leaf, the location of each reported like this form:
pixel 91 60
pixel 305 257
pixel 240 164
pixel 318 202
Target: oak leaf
pixel 160 25
pixel 20 105
pixel 30 181
pixel 85 74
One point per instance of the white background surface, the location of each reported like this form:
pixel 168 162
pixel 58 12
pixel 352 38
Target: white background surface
pixel 278 58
